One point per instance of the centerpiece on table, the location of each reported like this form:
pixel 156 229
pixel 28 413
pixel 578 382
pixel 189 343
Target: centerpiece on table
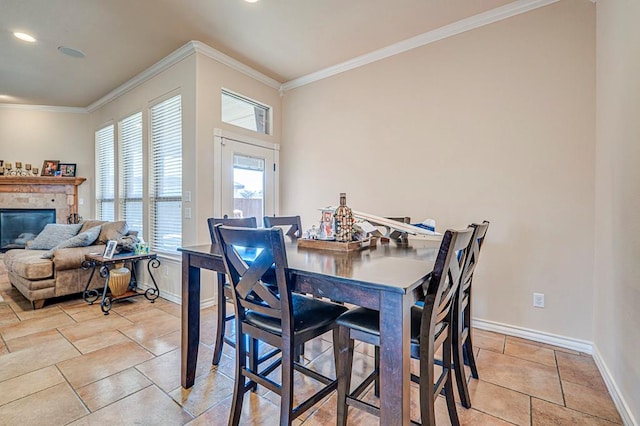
pixel 337 231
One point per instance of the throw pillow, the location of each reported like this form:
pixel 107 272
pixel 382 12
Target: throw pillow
pixel 112 231
pixel 88 224
pixel 83 239
pixel 52 234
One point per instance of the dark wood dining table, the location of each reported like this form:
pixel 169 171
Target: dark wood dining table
pixel 386 278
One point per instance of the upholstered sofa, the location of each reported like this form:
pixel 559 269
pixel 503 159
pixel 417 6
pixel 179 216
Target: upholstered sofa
pixel 41 274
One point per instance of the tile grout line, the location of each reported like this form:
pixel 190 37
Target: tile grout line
pixel 74 392
pixel 564 400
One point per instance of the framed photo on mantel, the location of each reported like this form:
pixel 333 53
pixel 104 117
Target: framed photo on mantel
pixel 49 167
pixel 67 169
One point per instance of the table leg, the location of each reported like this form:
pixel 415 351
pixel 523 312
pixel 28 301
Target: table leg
pixel 92 295
pixel 190 320
pixel 395 370
pixel 105 305
pixel 152 293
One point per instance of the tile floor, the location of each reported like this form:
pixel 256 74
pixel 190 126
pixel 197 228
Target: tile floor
pixel 70 364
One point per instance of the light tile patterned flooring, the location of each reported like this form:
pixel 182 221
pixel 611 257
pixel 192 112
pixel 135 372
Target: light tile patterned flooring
pixel 70 364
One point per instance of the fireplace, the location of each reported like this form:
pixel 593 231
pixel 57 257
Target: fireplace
pixel 26 195
pixel 17 226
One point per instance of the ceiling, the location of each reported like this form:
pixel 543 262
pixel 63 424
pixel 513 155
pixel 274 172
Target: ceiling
pixel 283 39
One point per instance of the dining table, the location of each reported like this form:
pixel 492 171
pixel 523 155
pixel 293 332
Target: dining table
pixel 386 278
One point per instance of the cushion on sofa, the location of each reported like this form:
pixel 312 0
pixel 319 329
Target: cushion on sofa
pixel 112 231
pixel 53 234
pixel 83 239
pixel 88 224
pixel 72 257
pixel 28 264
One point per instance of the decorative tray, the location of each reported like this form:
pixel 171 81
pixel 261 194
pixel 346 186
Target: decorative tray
pixel 337 246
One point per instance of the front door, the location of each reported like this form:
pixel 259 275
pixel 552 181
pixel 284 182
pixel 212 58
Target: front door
pixel 248 179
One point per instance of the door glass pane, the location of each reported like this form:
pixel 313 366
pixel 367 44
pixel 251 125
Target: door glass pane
pixel 248 187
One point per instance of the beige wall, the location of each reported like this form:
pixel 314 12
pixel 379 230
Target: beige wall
pixel 178 79
pixel 32 136
pixel 212 76
pixel 495 123
pixel 199 80
pixel 617 269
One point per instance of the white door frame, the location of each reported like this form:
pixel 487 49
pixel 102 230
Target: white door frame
pixel 218 136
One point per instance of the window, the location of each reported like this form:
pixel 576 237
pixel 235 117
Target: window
pixel 148 189
pixel 166 175
pixel 105 191
pixel 245 113
pixel 131 171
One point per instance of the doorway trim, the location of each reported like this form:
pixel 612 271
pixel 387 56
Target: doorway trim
pixel 219 137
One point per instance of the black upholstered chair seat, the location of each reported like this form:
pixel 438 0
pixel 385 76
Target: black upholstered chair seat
pixel 308 314
pixel 368 321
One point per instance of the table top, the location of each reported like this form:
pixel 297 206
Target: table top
pixel 393 267
pixel 120 257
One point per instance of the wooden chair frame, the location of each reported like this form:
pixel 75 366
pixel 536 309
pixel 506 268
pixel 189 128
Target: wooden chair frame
pixel 223 290
pixel 293 222
pixel 436 316
pixel 462 336
pixel 251 294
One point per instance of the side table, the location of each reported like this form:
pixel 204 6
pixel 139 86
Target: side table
pixel 103 265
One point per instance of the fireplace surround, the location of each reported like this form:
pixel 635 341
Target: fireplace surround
pixel 57 194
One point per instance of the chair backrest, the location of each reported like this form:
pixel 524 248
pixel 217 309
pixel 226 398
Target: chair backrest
pixel 293 222
pixel 473 253
pixel 249 254
pixel 446 275
pixel 244 222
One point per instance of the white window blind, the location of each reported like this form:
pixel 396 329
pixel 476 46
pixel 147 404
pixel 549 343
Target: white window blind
pixel 105 172
pixel 131 171
pixel 166 175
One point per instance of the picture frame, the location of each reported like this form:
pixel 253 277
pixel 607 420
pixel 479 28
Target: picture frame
pixel 49 167
pixel 110 249
pixel 67 169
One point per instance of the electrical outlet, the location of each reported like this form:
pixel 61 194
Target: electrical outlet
pixel 187 213
pixel 538 300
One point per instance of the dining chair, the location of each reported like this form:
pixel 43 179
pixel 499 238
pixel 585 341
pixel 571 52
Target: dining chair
pixel 279 317
pixel 294 224
pixel 223 289
pixel 431 328
pixel 462 340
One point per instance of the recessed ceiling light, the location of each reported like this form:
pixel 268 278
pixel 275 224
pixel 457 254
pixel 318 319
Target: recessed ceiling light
pixel 251 1
pixel 25 37
pixel 71 51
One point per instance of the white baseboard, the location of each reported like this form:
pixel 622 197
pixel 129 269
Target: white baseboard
pixel 569 343
pixel 535 335
pixel 616 395
pixel 175 298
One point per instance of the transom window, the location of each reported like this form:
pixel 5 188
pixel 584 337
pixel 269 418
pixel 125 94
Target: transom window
pixel 246 113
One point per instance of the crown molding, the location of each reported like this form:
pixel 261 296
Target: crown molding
pixel 173 58
pixel 227 60
pixel 155 69
pixel 467 24
pixel 45 108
